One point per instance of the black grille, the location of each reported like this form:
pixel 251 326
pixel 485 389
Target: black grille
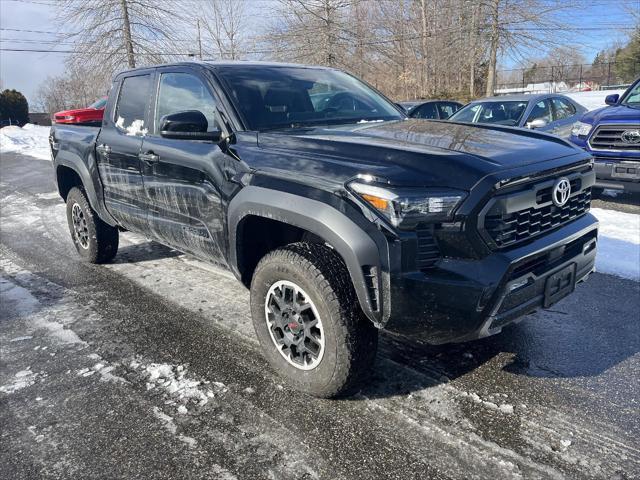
pixel 609 137
pixel 511 228
pixel 428 252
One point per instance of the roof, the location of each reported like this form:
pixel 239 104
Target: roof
pixel 415 103
pixel 523 97
pixel 224 63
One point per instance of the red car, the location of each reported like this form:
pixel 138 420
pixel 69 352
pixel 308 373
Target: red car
pixel 92 114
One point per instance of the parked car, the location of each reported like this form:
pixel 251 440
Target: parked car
pixel 434 109
pixel 91 114
pixel 549 113
pixel 339 221
pixel 612 135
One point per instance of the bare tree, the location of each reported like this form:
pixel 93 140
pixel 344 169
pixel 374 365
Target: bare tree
pixel 518 27
pixel 77 88
pixel 313 31
pixel 226 23
pixel 113 34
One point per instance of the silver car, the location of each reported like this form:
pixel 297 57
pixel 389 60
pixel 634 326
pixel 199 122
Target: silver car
pixel 551 113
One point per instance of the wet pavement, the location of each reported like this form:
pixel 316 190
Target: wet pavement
pixel 148 368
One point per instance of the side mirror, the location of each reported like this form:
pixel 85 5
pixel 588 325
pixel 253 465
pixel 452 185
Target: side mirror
pixel 537 123
pixel 187 125
pixel 612 99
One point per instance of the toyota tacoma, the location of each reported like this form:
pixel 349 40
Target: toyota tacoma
pixel 612 135
pixel 340 214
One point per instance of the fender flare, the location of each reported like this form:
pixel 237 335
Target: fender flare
pixel 355 245
pixel 91 184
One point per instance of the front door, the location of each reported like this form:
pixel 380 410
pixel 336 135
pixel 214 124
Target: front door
pixel 117 149
pixel 542 111
pixel 563 113
pixel 187 182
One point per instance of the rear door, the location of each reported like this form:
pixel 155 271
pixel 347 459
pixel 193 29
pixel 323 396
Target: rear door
pixel 187 182
pixel 118 146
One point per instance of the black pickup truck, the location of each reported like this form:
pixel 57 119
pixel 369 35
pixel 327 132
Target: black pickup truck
pixel 339 213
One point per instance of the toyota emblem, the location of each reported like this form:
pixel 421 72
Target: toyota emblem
pixel 631 136
pixel 561 192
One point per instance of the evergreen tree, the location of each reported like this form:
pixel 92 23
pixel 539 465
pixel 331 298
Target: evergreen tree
pixel 627 65
pixel 14 107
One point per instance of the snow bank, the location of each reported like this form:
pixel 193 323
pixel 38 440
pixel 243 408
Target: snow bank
pixel 592 100
pixel 29 140
pixel 619 243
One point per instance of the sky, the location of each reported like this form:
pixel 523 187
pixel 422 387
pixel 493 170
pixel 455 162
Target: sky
pixel 25 71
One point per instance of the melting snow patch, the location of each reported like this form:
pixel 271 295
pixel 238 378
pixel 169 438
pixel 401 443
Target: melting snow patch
pixel 504 407
pixel 169 424
pixel 174 381
pixel 19 339
pixel 22 379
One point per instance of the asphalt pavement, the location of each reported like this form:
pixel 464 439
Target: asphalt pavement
pixel 148 368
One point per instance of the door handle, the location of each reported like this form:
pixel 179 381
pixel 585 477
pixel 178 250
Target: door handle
pixel 104 149
pixel 149 157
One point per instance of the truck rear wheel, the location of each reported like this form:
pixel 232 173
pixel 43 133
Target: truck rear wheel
pixel 95 241
pixel 308 321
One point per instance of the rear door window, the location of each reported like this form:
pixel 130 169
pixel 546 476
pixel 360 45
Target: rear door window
pixel 132 105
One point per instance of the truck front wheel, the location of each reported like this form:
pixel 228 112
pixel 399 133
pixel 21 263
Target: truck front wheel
pixel 95 241
pixel 308 321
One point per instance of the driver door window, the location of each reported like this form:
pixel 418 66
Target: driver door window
pixel 182 91
pixel 563 109
pixel 541 111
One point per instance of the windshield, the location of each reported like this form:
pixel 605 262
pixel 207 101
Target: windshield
pixel 500 113
pixel 288 97
pixel 633 96
pixel 98 104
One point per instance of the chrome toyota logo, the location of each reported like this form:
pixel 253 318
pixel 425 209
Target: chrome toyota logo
pixel 561 192
pixel 631 136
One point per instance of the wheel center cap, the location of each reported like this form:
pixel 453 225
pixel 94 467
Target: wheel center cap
pixel 294 327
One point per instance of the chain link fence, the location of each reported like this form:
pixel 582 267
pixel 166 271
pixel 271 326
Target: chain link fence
pixel 567 78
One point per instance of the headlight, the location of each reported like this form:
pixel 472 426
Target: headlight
pixel 580 129
pixel 405 207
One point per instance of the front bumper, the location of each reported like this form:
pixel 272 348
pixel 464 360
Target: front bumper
pixel 617 174
pixel 461 299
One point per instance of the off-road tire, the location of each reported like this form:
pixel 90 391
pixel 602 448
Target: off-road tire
pixel 351 340
pixel 101 240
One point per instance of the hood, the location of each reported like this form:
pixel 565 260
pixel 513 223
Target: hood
pixel 614 114
pixel 409 152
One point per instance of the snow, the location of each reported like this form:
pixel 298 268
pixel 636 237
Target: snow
pixel 30 140
pixel 592 100
pixel 618 243
pixel 172 428
pixel 176 382
pixel 22 379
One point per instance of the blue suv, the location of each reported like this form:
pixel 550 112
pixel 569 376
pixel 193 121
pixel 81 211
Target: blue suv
pixel 612 135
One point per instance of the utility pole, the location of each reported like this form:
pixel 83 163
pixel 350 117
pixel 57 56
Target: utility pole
pixel 493 47
pixel 199 40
